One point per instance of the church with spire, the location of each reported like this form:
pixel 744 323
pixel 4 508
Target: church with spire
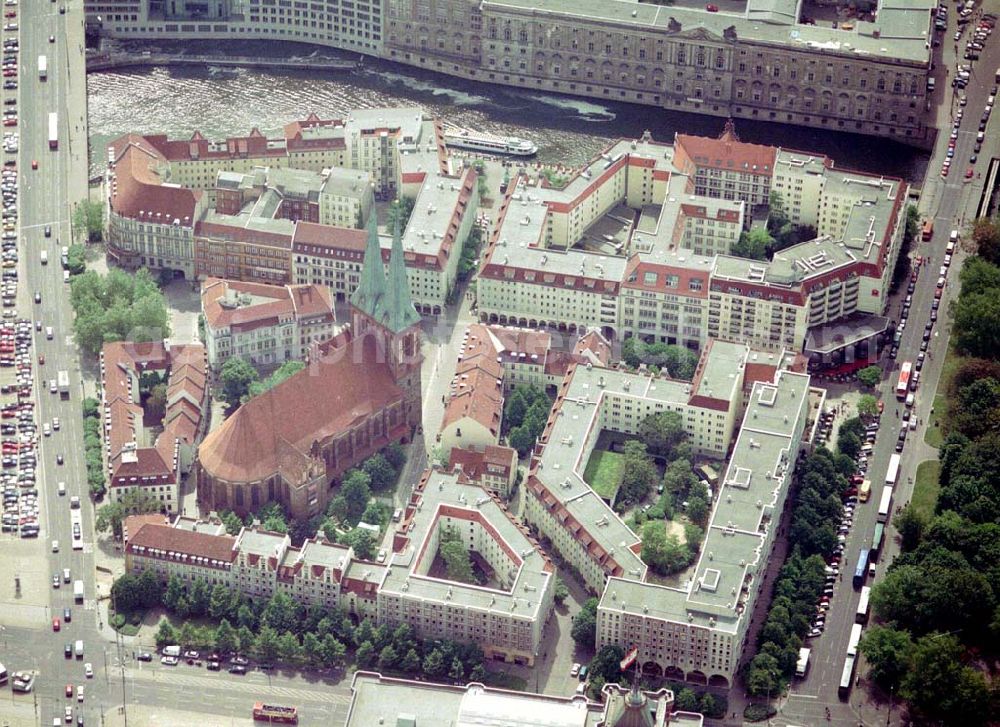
pixel 358 393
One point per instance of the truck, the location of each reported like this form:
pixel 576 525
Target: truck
pixel 63 381
pixel 802 665
pixel 43 68
pixel 78 591
pixel 53 131
pixel 44 257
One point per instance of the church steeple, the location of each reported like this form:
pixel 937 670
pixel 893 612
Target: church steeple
pixel 369 296
pixel 399 313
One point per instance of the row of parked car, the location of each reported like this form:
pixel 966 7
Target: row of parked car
pixel 18 434
pixel 172 656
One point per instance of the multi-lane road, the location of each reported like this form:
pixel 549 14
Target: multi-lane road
pixel 949 201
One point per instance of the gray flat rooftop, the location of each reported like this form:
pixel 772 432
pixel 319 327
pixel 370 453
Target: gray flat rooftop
pixel 262 543
pixel 532 572
pixel 902 24
pixel 391 702
pixel 722 376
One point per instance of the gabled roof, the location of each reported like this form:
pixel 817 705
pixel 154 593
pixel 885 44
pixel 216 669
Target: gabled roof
pixel 277 429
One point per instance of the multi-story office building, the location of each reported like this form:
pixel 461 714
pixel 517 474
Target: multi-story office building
pixel 755 60
pixel 282 211
pixel 697 631
pixel 627 246
pixel 265 324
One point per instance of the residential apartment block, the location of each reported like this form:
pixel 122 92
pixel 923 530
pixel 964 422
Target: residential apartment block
pixel 504 616
pixel 581 524
pixel 265 324
pixel 126 368
pixel 697 631
pixel 287 210
pixel 494 468
pixel 491 362
pixel 756 60
pixel 630 247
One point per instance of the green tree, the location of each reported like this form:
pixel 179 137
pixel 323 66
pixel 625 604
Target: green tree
pixel 888 652
pixel 281 613
pixel 867 406
pixel 941 687
pixel 380 473
pixel 198 597
pixel 639 474
pixel 686 700
pixel 125 593
pixel 273 518
pixel 226 639
pixel 753 244
pixel 174 593
pixel 606 664
pixel 356 491
pixel 410 661
pixel 387 658
pixel 334 651
pixel 560 592
pixel 267 644
pixel 76 259
pixel 976 320
pixel 709 706
pixel 150 589
pixel 457 670
pixel 115 307
pixel 165 634
pixel 456 557
pixel 400 209
pixel 870 376
pixel 434 663
pixel 312 649
pixel 662 432
pixel 132 502
pixel 521 439
pixel 395 454
pixel 664 554
pixel 697 509
pixel 231 521
pixel 236 377
pixel 983 239
pixel 361 541
pixel 584 628
pixel 911 524
pixel 246 639
pixel 764 676
pixel 282 374
pixel 88 220
pixel 477 674
pixel 289 648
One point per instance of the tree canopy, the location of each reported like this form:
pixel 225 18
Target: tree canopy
pixel 119 306
pixel 236 377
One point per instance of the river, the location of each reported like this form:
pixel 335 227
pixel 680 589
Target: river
pixel 223 102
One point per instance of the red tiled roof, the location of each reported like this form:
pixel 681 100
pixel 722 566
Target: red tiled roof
pixel 168 539
pixel 596 344
pixel 474 463
pixel 635 277
pixel 284 302
pixel 328 237
pixel 727 152
pixel 136 190
pixel 329 396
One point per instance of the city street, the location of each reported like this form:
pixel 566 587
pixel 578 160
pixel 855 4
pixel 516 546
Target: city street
pixel 950 203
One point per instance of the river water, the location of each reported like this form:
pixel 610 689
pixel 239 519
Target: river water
pixel 223 102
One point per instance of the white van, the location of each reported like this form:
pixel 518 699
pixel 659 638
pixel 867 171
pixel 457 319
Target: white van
pixel 909 399
pixel 171 650
pixel 48 332
pixel 953 237
pixel 45 257
pixel 78 649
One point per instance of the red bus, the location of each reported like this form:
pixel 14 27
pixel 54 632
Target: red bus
pixel 903 385
pixel 275 713
pixel 928 230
